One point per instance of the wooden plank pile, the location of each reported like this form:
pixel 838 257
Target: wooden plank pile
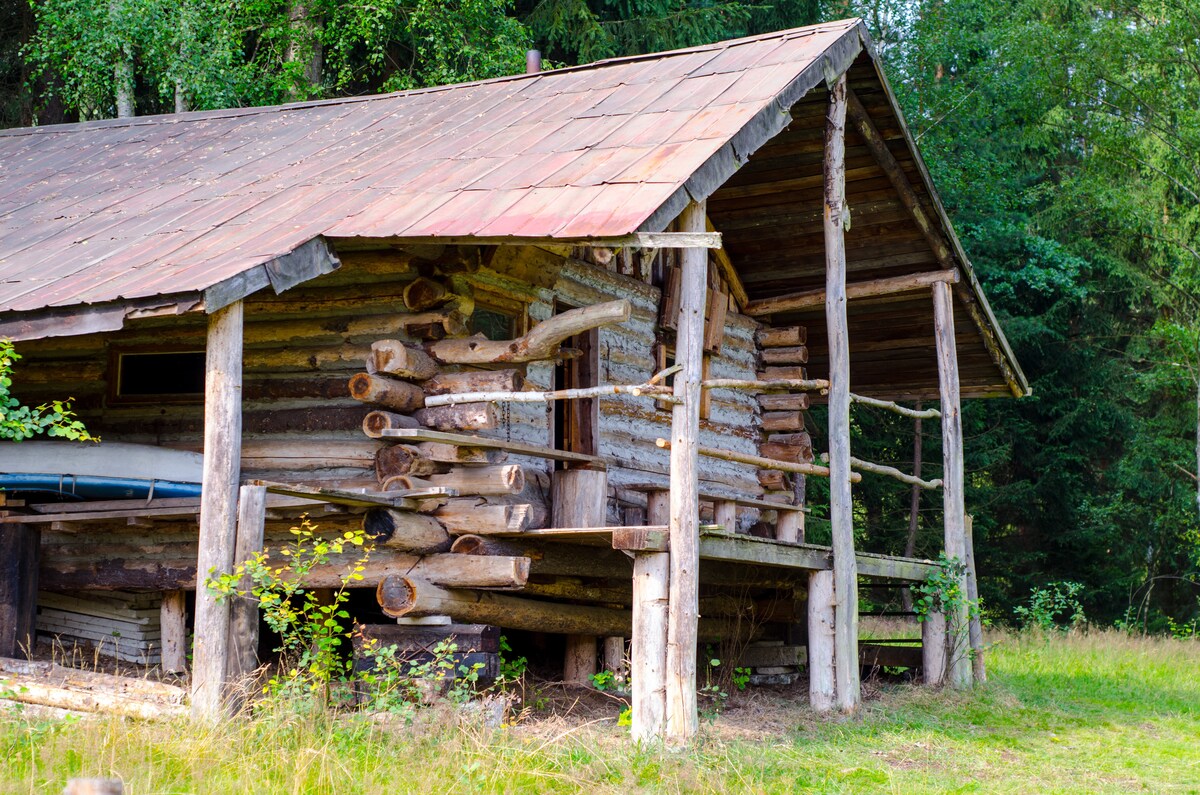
pixel 114 624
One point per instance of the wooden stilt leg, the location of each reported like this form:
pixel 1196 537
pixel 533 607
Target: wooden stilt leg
pixel 20 547
pixel 821 690
pixel 218 506
pixel 651 578
pixel 725 514
pixel 958 663
pixel 172 619
pixel 614 656
pixel 933 648
pixel 243 630
pixel 579 663
pixel 683 611
pixel 845 567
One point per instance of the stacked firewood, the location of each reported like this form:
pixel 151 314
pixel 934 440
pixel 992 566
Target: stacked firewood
pixel 399 375
pixel 783 357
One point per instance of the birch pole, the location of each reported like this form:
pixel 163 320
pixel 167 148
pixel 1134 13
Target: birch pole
pixel 958 664
pixel 682 614
pixel 218 506
pixel 845 566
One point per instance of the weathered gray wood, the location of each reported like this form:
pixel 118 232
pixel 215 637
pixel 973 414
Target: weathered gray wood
pixel 614 656
pixel 470 516
pixel 821 689
pixel 725 514
pixel 811 299
pixel 579 661
pixel 393 357
pixel 958 663
pixel 933 648
pixel 580 498
pixel 762 462
pixel 376 422
pixel 172 621
pixel 19 554
pixel 682 721
pixel 841 508
pixel 648 648
pixel 540 343
pixel 460 417
pixel 789 527
pixel 978 667
pixel 218 506
pixel 517 448
pixel 243 625
pixel 390 393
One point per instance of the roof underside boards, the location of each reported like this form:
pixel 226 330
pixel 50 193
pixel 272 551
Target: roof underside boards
pixel 105 221
pixel 100 212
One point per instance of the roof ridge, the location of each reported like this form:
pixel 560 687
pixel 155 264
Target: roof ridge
pixel 254 110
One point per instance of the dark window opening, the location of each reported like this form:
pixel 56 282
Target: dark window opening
pixel 177 375
pixel 494 324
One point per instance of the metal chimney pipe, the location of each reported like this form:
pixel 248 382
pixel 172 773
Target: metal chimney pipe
pixel 533 62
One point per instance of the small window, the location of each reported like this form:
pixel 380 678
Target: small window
pixel 147 376
pixel 495 324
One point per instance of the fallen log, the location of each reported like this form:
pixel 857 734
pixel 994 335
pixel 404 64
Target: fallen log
pixel 475 381
pixel 458 417
pixel 376 422
pixel 540 343
pixel 29 691
pixel 393 357
pixel 405 530
pixel 462 517
pixel 387 392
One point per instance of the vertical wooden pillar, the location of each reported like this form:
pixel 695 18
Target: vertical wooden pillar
pixel 651 580
pixel 614 656
pixel 978 668
pixel 725 514
pixel 821 691
pixel 218 505
pixel 683 612
pixel 172 623
pixel 933 648
pixel 845 566
pixel 790 527
pixel 243 624
pixel 20 552
pixel 579 499
pixel 579 662
pixel 958 664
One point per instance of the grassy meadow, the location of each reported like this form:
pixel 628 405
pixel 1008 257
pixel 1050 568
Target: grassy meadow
pixel 1097 712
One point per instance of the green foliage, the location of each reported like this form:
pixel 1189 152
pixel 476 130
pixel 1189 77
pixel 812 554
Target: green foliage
pixel 942 592
pixel 313 628
pixel 512 669
pixel 603 681
pixel 392 683
pixel 1056 606
pixel 19 422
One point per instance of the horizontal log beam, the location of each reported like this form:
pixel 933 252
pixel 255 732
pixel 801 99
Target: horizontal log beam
pixel 636 240
pixel 812 299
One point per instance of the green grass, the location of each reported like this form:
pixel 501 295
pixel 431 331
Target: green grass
pixel 1095 713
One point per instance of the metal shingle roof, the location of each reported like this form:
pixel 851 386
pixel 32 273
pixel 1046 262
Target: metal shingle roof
pixel 119 210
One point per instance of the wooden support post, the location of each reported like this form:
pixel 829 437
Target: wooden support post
pixel 20 547
pixel 958 663
pixel 580 498
pixel 821 691
pixel 845 568
pixel 614 656
pixel 243 627
pixel 978 669
pixel 682 718
pixel 790 527
pixel 725 514
pixel 579 663
pixel 218 506
pixel 651 580
pixel 933 648
pixel 172 621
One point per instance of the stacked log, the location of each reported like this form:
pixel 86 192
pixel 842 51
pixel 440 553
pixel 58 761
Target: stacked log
pixel 784 354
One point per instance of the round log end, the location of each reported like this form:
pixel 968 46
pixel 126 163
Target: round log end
pixel 468 545
pixel 360 386
pixel 396 595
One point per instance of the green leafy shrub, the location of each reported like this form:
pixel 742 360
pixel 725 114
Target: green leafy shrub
pixel 19 422
pixel 1056 606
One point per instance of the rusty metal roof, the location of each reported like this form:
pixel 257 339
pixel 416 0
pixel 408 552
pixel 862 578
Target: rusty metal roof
pixel 206 204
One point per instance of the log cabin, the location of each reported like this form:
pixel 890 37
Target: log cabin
pixel 551 339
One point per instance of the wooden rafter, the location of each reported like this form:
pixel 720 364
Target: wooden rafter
pixel 811 299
